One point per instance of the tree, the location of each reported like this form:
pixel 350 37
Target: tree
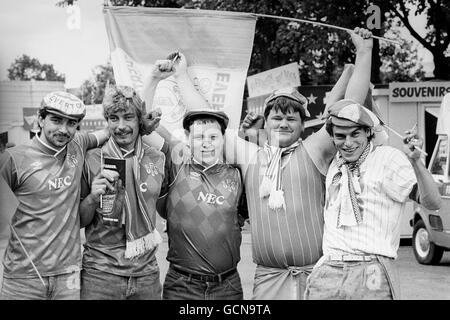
pixel 27 68
pixel 93 89
pixel 321 52
pixel 437 38
pixel 400 63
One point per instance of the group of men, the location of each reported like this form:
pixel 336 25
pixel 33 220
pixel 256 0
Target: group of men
pixel 324 211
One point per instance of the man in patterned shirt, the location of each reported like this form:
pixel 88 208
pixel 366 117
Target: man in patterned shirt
pixel 367 187
pixel 42 259
pixel 203 225
pixel 119 259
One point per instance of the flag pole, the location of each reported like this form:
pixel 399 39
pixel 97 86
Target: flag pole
pixel 28 256
pixel 401 137
pixel 320 24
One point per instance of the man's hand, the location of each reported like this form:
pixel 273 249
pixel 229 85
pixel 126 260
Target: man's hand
pixel 362 39
pixel 411 141
pixel 251 128
pixel 252 121
pixel 179 63
pixel 151 121
pixel 102 182
pixel 162 69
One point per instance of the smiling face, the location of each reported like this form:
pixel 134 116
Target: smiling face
pixel 57 131
pixel 283 129
pixel 206 141
pixel 123 125
pixel 351 141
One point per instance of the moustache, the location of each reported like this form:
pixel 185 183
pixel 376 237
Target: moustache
pixel 62 135
pixel 121 131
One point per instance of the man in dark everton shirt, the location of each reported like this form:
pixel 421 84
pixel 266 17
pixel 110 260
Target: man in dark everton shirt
pixel 202 202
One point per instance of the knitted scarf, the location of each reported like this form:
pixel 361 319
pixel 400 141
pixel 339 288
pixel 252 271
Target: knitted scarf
pixel 349 212
pixel 271 184
pixel 140 230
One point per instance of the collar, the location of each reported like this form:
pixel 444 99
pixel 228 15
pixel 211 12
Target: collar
pixel 46 148
pixel 126 152
pixel 199 166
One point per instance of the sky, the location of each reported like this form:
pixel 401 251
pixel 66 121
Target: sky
pixel 39 29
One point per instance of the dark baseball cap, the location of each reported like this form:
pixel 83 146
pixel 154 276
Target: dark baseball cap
pixel 193 114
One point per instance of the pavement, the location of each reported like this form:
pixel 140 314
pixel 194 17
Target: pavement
pixel 417 281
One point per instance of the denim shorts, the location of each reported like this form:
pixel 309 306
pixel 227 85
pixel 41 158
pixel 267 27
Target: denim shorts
pixel 355 280
pixel 178 286
pixel 58 287
pixel 100 285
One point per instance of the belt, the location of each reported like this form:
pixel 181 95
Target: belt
pixel 351 257
pixel 206 278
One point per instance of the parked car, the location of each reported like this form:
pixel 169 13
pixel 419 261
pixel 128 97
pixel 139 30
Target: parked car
pixel 431 228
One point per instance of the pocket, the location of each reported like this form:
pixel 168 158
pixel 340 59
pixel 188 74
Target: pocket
pixel 234 283
pixel 174 279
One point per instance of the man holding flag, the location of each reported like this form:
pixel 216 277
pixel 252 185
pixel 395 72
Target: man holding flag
pixel 286 213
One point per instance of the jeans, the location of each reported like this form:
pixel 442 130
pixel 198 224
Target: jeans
pixel 100 285
pixel 354 280
pixel 59 287
pixel 181 287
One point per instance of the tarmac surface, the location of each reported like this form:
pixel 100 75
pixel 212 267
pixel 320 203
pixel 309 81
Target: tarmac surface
pixel 418 282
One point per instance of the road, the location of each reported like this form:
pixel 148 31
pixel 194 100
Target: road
pixel 417 281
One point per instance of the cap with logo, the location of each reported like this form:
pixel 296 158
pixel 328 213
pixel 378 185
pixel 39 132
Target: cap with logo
pixel 292 94
pixel 349 113
pixel 64 104
pixel 193 114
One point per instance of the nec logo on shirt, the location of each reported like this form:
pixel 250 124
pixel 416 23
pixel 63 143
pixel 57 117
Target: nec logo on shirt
pixel 57 183
pixel 210 198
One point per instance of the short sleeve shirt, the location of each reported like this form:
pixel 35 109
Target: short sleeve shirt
pixel 202 219
pixel 105 245
pixel 46 184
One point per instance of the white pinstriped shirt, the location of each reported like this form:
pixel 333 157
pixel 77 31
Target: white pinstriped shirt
pixel 387 178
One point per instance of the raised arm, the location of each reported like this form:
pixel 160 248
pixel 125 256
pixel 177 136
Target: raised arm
pixel 359 83
pixel 351 85
pixel 428 191
pixel 190 95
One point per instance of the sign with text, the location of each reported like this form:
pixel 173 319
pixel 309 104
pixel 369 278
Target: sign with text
pixel 418 91
pixel 216 44
pixel 273 79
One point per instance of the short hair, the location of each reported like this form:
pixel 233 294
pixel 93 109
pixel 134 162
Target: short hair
pixel 329 127
pixel 206 119
pixel 284 104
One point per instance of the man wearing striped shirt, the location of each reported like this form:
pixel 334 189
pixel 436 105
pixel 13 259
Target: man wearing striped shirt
pixel 367 187
pixel 284 181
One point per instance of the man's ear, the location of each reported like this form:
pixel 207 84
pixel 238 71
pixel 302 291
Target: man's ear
pixel 40 121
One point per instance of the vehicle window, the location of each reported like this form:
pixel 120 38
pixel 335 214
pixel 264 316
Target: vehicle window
pixel 440 161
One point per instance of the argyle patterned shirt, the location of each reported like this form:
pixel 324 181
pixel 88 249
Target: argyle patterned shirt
pixel 202 217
